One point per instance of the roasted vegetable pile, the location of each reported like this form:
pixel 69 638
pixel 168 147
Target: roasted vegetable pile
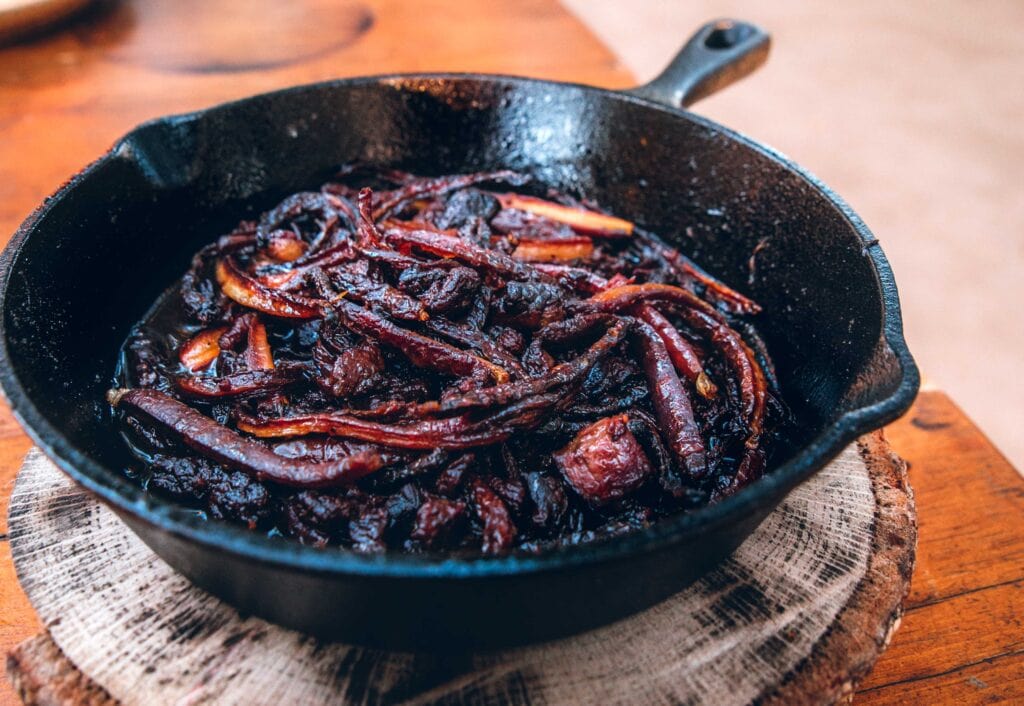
pixel 447 365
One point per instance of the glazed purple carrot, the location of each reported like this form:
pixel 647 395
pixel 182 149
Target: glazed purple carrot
pixel 209 438
pixel 446 245
pixel 240 384
pixel 683 356
pixel 421 350
pixel 672 405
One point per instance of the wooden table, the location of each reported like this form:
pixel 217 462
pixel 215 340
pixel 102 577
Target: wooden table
pixel 65 99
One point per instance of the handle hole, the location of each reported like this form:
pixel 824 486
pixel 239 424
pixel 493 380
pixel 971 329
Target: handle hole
pixel 726 35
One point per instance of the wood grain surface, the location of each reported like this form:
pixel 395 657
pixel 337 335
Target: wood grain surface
pixel 66 98
pixel 797 615
pixel 962 639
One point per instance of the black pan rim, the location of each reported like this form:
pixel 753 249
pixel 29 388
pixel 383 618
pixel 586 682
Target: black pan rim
pixel 126 498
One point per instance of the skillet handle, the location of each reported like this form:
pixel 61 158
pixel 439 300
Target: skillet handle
pixel 719 53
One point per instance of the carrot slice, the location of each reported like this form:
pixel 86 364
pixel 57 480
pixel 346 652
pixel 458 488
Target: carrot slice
pixel 202 349
pixel 554 250
pixel 243 289
pixel 589 222
pixel 258 354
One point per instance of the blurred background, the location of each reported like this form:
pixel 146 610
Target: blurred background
pixel 911 111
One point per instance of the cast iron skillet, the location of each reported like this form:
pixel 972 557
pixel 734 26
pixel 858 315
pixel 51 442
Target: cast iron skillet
pixel 92 258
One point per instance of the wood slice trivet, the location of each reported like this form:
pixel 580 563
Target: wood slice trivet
pixel 798 614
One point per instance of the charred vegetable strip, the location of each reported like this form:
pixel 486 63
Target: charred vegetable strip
pixel 422 351
pixel 698 313
pixel 258 354
pixel 473 338
pixel 291 276
pixel 499 531
pixel 576 278
pixel 202 349
pixel 241 384
pixel 732 300
pixel 420 188
pixel 627 295
pixel 752 382
pixel 250 293
pixel 369 236
pixel 237 332
pixel 581 221
pixel 450 433
pixel 562 250
pixel 444 245
pixel 205 436
pixel 567 373
pixel 400 261
pixel 461 432
pixel 285 246
pixel 683 356
pixel 671 403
